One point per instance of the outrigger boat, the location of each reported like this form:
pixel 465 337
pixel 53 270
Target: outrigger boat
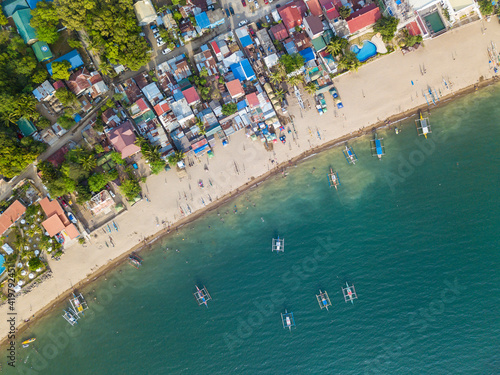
pixel 202 296
pixel 288 320
pixel 135 260
pixel 70 316
pixel 278 244
pixel 423 125
pixel 27 343
pixel 333 179
pixel 377 146
pixel 349 293
pixel 349 154
pixel 78 304
pixel 323 300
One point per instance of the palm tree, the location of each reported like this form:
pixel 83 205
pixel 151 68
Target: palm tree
pixel 295 80
pixel 105 68
pixel 88 162
pixel 280 94
pixel 310 88
pixel 176 157
pixel 276 78
pixel 201 126
pixel 337 46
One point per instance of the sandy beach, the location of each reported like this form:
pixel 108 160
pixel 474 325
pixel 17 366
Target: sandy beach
pixel 392 86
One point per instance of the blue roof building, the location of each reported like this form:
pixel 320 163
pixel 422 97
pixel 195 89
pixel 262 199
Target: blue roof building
pixel 307 54
pixel 33 3
pixel 202 20
pixel 72 57
pixel 246 41
pixel 243 71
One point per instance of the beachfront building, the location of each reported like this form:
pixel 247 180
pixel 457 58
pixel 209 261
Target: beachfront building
pixel 57 222
pixel 292 15
pixel 123 139
pixel 363 19
pixel 101 203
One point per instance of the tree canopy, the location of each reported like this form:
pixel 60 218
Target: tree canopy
pixel 387 27
pixel 344 12
pixel 16 155
pixel 45 20
pixel 111 26
pixel 292 62
pixel 98 180
pixel 60 70
pixel 229 108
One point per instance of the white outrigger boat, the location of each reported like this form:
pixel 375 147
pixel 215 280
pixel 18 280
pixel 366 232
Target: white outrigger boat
pixel 323 300
pixel 333 179
pixel 423 125
pixel 70 316
pixel 349 154
pixel 288 320
pixel 349 293
pixel 278 245
pixel 202 296
pixel 78 304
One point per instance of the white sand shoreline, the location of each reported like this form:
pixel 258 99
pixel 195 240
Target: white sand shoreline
pixel 379 90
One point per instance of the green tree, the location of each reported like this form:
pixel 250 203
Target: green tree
pixel 277 77
pixel 66 121
pixel 387 27
pixel 177 16
pixel 83 194
pixel 176 157
pixel 229 108
pixel 87 162
pixel 337 45
pixel 117 157
pixel 35 263
pixel 344 12
pixel 74 43
pixel 280 94
pixel 295 80
pixel 310 88
pixel 60 70
pixel 61 186
pixel 45 20
pixel 40 76
pixel 408 40
pixel 130 188
pixel 16 155
pixel 98 180
pixel 157 166
pixel 349 62
pixel 486 7
pixel 201 126
pixel 43 123
pixel 292 62
pixel 66 97
pixel 3 20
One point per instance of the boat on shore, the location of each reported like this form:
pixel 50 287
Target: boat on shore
pixel 377 146
pixel 333 179
pixel 349 154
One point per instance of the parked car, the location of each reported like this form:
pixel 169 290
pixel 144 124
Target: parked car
pixel 153 26
pixel 227 12
pixel 142 34
pixel 268 19
pixel 166 50
pixel 243 3
pixel 257 5
pixel 243 23
pixel 211 7
pixel 231 10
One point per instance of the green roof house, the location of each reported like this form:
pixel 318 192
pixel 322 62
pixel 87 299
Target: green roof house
pixel 42 51
pixel 26 126
pixel 22 20
pixel 12 6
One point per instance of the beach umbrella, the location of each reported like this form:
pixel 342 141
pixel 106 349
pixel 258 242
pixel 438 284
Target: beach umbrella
pixel 23 273
pixel 23 221
pixel 20 282
pixel 19 265
pixel 37 252
pixel 38 269
pixel 31 276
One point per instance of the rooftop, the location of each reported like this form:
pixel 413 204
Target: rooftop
pixel 235 89
pixel 364 17
pixel 72 57
pixel 315 24
pixel 279 31
pixel 191 95
pixel 123 139
pixel 11 215
pixel 291 16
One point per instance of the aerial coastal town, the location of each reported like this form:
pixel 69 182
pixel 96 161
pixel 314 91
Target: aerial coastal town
pixel 99 99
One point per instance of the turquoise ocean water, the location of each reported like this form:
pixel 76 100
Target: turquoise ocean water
pixel 416 233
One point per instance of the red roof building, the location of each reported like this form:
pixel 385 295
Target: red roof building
pixel 235 89
pixel 57 221
pixel 279 32
pixel 191 96
pixel 252 100
pixel 58 85
pixel 11 215
pixel 162 108
pixel 315 7
pixel 78 81
pixel 363 18
pixel 291 16
pixel 413 29
pixel 123 139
